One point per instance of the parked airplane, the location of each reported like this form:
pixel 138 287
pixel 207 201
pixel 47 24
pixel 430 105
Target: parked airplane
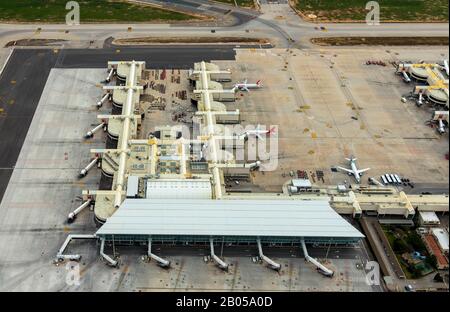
pixel 244 86
pixel 258 132
pixel 354 170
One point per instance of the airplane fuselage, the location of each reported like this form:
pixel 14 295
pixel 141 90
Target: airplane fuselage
pixel 257 131
pixel 247 86
pixel 244 86
pixel 355 171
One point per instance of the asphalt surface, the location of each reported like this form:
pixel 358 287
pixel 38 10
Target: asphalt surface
pixel 332 252
pixel 21 85
pixel 25 75
pixel 225 15
pixel 182 57
pixel 288 31
pixel 428 188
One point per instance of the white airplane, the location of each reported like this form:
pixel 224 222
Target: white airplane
pixel 258 132
pixel 244 86
pixel 354 170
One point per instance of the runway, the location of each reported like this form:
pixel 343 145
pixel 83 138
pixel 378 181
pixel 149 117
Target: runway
pixel 21 85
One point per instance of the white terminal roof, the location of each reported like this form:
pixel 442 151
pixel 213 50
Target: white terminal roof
pixel 182 188
pixel 441 237
pixel 301 183
pixel 228 218
pixel 429 216
pixel 132 186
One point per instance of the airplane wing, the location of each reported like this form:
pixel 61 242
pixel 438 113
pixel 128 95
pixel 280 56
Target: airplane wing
pixel 363 170
pixel 260 137
pixel 243 136
pixel 345 169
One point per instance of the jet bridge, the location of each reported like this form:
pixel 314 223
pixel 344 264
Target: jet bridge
pixel 161 262
pixel 320 267
pixel 272 264
pixel 220 263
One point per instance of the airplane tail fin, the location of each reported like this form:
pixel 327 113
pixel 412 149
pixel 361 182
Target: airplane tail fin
pixel 272 131
pixel 258 83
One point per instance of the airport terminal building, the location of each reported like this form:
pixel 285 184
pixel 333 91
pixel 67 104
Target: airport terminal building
pixel 158 188
pixel 233 222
